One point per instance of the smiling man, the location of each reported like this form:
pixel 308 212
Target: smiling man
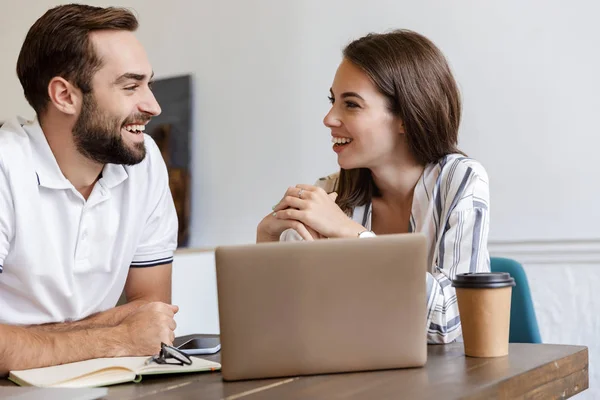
pixel 85 206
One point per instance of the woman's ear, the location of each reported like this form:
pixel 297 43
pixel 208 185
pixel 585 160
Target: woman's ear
pixel 65 97
pixel 400 126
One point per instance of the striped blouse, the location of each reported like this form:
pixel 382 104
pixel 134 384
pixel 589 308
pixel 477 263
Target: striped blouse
pixel 451 207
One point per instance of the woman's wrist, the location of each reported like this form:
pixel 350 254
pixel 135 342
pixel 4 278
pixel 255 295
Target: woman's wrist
pixel 262 236
pixel 351 230
pixel 265 239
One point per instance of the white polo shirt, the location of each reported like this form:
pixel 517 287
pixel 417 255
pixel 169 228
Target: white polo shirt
pixel 63 257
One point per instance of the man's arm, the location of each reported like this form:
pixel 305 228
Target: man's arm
pixel 24 348
pixel 148 284
pixel 143 285
pixel 139 334
pixel 105 319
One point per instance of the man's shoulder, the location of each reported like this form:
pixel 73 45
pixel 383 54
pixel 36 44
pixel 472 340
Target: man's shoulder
pixel 14 142
pixel 12 133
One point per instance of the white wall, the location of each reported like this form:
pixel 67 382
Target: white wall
pixel 195 292
pixel 262 68
pixel 528 72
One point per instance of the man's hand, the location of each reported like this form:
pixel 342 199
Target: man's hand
pixel 148 326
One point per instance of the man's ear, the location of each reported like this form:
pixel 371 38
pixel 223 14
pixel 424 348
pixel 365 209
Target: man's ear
pixel 65 97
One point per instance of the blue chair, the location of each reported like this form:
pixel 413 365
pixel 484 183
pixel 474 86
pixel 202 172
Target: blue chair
pixel 523 322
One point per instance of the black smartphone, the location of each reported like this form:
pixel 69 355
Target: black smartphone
pixel 200 345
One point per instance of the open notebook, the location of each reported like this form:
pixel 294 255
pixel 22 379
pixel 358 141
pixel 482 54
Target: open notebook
pixel 103 372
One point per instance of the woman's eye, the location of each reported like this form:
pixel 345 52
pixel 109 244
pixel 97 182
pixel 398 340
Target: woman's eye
pixel 331 99
pixel 351 104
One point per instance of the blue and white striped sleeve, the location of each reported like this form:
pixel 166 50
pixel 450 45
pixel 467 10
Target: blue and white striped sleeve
pixel 463 248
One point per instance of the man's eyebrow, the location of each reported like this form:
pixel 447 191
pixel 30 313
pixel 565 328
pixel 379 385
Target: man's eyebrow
pixel 131 76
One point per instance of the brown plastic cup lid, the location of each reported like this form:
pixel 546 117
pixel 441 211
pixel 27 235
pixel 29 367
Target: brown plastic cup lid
pixel 483 280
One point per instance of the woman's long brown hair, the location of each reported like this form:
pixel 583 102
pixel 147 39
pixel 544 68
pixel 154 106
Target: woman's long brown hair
pixel 414 76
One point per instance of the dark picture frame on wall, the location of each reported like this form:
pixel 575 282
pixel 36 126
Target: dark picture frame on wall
pixel 171 131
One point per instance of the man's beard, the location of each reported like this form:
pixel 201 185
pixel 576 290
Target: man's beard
pixel 98 136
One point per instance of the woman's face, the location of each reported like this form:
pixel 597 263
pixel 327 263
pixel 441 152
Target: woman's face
pixel 364 131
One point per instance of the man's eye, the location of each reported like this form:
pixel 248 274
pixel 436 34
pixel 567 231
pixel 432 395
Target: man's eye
pixel 131 88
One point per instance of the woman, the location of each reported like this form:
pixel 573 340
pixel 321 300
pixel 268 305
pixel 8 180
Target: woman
pixel 394 123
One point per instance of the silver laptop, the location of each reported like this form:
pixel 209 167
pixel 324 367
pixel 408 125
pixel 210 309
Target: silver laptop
pixel 336 305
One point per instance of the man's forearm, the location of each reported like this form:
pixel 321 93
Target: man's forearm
pixel 25 348
pixel 105 319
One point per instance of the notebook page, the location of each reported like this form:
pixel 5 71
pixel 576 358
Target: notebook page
pixel 198 364
pixel 111 376
pixel 49 376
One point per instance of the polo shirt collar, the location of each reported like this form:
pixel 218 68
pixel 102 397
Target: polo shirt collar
pixel 48 172
pixel 112 175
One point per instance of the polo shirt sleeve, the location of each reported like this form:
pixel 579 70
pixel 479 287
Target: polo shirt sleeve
pixel 7 213
pixel 159 239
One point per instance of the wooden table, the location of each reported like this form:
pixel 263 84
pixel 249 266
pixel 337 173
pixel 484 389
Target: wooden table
pixel 533 371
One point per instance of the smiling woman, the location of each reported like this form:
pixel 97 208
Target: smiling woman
pixel 394 117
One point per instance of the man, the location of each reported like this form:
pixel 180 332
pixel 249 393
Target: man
pixel 85 206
